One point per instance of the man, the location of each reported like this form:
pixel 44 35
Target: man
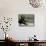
pixel 22 20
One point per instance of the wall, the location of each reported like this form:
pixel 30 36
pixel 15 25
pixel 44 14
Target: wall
pixel 11 8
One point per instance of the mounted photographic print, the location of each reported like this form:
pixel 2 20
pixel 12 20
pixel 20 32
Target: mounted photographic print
pixel 26 19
